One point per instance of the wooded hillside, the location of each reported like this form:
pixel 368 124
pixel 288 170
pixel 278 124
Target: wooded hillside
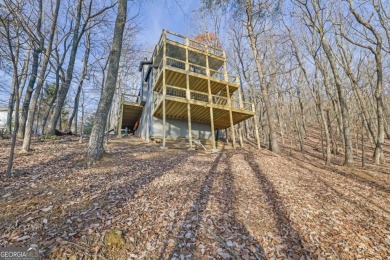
pixel 318 73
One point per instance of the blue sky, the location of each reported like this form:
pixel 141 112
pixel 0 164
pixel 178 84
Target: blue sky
pixel 155 15
pixel 173 15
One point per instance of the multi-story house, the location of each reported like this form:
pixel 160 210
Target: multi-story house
pixel 186 91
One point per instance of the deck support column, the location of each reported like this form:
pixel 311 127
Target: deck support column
pixel 164 122
pixel 211 112
pixel 256 131
pixel 232 128
pixel 120 119
pixel 240 135
pixel 188 94
pixel 189 126
pixel 164 92
pixel 212 130
pixel 230 114
pixel 227 137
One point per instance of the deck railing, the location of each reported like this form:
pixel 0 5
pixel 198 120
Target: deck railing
pixel 175 92
pixel 199 96
pixel 217 75
pixel 219 100
pixel 216 100
pixel 195 68
pixel 185 42
pixel 175 63
pixel 131 98
pixel 157 98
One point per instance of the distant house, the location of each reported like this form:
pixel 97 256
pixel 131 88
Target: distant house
pixel 3 117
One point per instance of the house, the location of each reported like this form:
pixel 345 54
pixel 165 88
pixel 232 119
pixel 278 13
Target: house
pixel 185 91
pixel 3 117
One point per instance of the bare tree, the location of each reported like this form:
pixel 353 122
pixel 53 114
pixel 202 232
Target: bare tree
pixel 78 31
pixel 82 78
pixel 375 46
pixel 96 148
pixel 251 10
pixel 41 79
pixel 314 18
pixel 11 32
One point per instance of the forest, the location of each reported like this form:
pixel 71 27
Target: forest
pixel 308 177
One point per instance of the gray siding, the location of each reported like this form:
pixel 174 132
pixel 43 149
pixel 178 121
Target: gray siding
pixel 179 128
pixel 151 126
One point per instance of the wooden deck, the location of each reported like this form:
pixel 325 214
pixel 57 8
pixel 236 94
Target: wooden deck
pixel 191 82
pixel 131 111
pixel 176 108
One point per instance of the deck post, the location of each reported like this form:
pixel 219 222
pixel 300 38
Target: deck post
pixel 188 94
pixel 225 68
pixel 207 62
pixel 211 105
pixel 164 116
pixel 211 115
pixel 256 131
pixel 240 135
pixel 212 130
pixel 187 65
pixel 240 97
pixel 231 116
pixel 232 128
pixel 120 118
pixel 164 92
pixel 227 137
pixel 189 126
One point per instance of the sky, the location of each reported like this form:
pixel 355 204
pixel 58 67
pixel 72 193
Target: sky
pixel 155 15
pixel 173 15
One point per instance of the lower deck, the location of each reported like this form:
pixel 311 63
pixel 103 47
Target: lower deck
pixel 201 112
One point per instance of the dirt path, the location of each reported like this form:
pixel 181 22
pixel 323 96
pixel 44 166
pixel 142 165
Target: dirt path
pixel 178 204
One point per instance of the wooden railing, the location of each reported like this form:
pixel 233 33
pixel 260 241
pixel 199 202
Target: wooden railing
pixel 131 98
pixel 157 98
pixel 216 100
pixel 185 42
pixel 158 72
pixel 219 100
pixel 175 63
pixel 199 96
pixel 195 68
pixel 217 75
pixel 175 92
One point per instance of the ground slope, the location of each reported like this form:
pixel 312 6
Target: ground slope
pixel 178 204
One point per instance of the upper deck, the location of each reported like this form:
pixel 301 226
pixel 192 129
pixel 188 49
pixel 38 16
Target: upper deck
pixel 187 55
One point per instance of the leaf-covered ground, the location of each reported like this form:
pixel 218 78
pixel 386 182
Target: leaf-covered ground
pixel 144 202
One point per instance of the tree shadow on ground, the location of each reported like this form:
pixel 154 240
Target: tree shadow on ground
pixel 257 250
pixel 350 176
pixel 198 209
pixel 190 231
pixel 99 205
pixel 357 204
pixel 291 238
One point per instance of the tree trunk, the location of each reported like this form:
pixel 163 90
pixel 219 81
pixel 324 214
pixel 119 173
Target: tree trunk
pixel 348 159
pixel 63 91
pixel 95 148
pixel 378 154
pixel 273 143
pixel 356 90
pixel 34 71
pixel 82 118
pixel 14 54
pixel 11 102
pixel 83 75
pixel 11 105
pixel 41 79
